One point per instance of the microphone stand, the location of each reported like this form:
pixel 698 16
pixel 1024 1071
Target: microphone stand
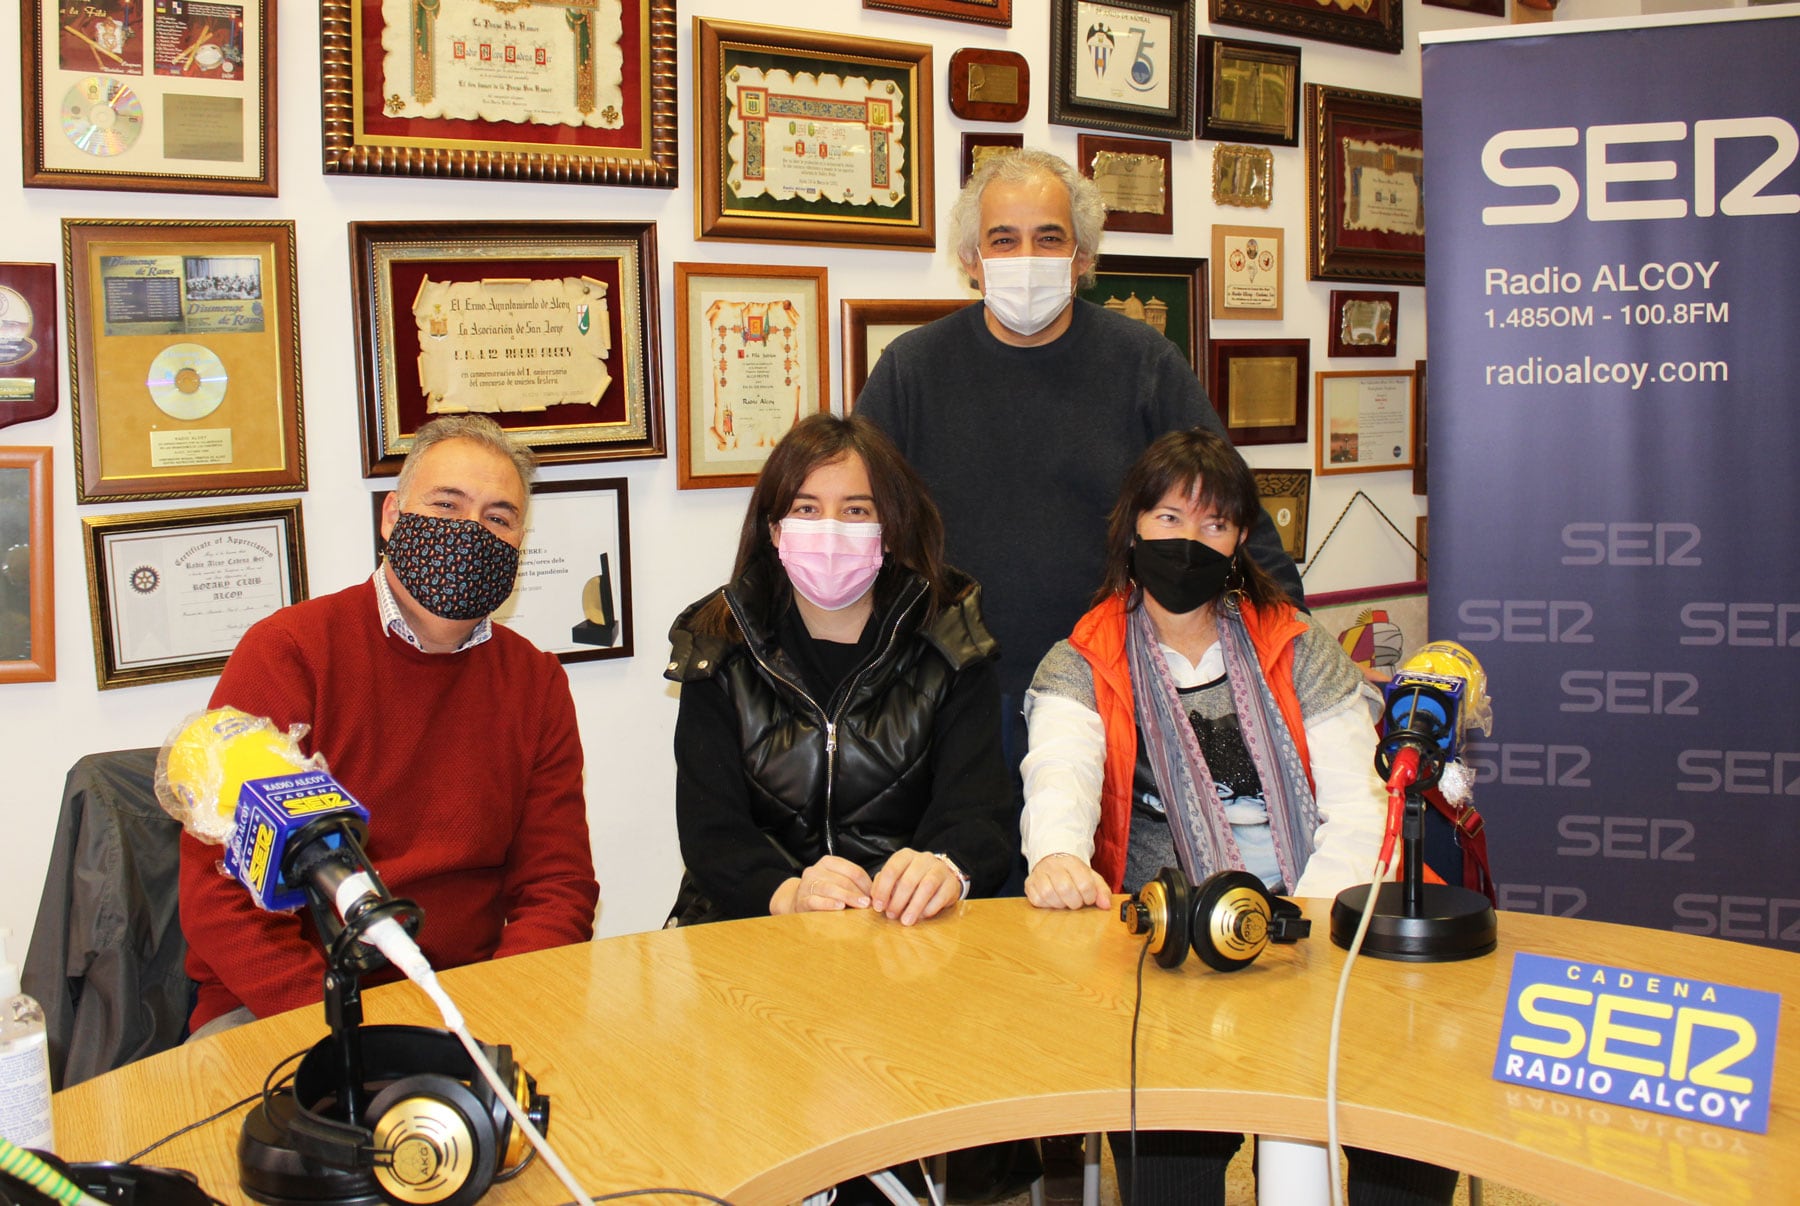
pixel 1417 922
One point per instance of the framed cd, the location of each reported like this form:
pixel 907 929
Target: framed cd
pixel 150 95
pixel 184 358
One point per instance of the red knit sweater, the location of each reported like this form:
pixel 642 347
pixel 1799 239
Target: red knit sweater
pixel 470 766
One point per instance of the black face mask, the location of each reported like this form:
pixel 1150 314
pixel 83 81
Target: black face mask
pixel 1180 575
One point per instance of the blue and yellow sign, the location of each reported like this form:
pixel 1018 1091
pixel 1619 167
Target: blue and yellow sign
pixel 1671 1044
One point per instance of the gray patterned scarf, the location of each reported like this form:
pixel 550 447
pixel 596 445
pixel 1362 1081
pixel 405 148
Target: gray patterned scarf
pixel 1203 838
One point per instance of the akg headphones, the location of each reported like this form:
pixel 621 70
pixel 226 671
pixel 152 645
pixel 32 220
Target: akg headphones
pixel 1228 920
pixel 431 1130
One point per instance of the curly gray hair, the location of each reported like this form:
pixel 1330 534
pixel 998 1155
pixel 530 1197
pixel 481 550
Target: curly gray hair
pixel 1086 207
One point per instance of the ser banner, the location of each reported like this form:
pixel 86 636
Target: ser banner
pixel 1614 304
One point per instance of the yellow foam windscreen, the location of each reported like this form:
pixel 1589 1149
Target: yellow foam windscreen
pixel 208 759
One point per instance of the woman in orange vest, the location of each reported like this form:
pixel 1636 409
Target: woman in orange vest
pixel 1196 719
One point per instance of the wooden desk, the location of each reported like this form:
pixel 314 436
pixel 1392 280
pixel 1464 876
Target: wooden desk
pixel 764 1059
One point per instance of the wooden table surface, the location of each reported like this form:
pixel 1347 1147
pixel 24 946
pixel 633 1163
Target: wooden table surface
pixel 762 1060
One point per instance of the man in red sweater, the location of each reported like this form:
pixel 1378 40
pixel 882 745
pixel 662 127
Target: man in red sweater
pixel 458 736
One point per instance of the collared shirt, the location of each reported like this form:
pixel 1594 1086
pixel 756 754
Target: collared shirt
pixel 394 621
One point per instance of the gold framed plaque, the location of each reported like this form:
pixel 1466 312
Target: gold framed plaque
pixel 1249 262
pixel 172 591
pixel 1135 180
pixel 1365 186
pixel 808 137
pixel 27 583
pixel 185 358
pixel 1365 422
pixel 1243 176
pixel 548 328
pixel 173 96
pixel 580 93
pixel 1249 91
pixel 1258 386
pixel 752 353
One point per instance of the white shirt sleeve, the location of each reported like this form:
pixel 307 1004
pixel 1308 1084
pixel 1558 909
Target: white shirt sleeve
pixel 1062 771
pixel 1352 803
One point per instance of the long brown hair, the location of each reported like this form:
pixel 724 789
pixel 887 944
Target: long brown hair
pixel 1196 463
pixel 912 531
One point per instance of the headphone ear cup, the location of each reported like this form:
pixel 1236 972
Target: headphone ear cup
pixel 1169 897
pixel 439 1140
pixel 1231 920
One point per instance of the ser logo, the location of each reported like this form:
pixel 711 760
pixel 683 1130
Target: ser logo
pixel 1664 839
pixel 258 872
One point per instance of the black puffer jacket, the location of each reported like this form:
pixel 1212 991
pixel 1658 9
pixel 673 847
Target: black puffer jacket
pixel 859 775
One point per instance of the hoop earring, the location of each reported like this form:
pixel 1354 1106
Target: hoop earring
pixel 1234 584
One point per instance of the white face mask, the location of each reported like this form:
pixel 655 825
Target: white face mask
pixel 1027 292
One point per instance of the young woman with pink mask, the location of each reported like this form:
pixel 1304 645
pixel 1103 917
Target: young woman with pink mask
pixel 838 744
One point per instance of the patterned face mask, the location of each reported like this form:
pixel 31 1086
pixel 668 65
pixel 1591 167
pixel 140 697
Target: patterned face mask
pixel 456 568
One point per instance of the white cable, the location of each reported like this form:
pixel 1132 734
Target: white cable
pixel 413 963
pixel 1334 1152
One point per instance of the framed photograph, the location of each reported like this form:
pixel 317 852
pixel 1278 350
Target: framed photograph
pixel 1243 176
pixel 1365 185
pixel 27 561
pixel 167 96
pixel 1168 292
pixel 28 386
pixel 570 94
pixel 185 342
pixel 1249 92
pixel 1249 262
pixel 1378 626
pixel 811 137
pixel 1123 65
pixel 752 353
pixel 989 85
pixel 980 12
pixel 1363 322
pixel 1135 181
pixel 549 328
pixel 1375 25
pixel 1365 422
pixel 172 591
pixel 1286 494
pixel 978 147
pixel 871 324
pixel 1258 386
pixel 1419 445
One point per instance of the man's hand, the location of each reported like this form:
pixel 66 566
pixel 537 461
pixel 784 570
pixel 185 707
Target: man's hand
pixel 913 885
pixel 830 883
pixel 1062 881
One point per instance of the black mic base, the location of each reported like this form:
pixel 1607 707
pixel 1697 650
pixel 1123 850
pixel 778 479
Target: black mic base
pixel 1451 923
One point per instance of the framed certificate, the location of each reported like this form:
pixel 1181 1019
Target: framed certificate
pixel 870 325
pixel 27 583
pixel 1365 185
pixel 1365 422
pixel 1287 495
pixel 172 591
pixel 548 328
pixel 1258 386
pixel 1371 24
pixel 981 12
pixel 1364 322
pixel 28 386
pixel 1167 292
pixel 1248 264
pixel 528 90
pixel 173 96
pixel 808 137
pixel 1134 179
pixel 1249 91
pixel 752 352
pixel 1123 65
pixel 185 338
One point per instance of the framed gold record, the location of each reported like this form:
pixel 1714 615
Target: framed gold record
pixel 184 358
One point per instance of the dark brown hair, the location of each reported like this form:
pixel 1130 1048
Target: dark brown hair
pixel 1195 462
pixel 911 529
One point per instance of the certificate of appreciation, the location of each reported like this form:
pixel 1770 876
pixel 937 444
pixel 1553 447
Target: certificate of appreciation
pixel 189 593
pixel 815 138
pixel 485 60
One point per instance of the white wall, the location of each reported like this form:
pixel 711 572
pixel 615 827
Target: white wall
pixel 681 541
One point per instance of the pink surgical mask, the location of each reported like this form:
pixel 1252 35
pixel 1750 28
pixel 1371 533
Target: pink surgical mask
pixel 831 563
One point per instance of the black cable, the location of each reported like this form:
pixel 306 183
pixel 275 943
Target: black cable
pixel 686 1193
pixel 192 1126
pixel 1137 1009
